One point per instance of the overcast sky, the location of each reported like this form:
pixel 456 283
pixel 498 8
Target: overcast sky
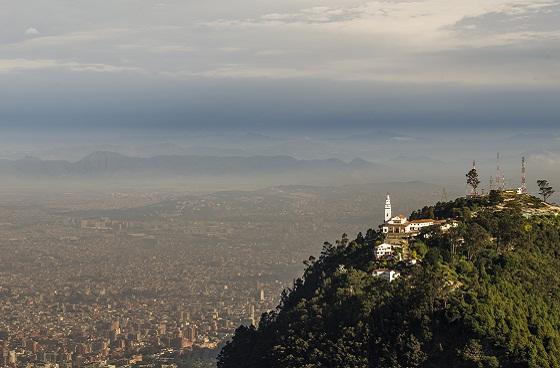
pixel 265 64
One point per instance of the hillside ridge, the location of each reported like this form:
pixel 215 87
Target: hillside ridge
pixel 482 294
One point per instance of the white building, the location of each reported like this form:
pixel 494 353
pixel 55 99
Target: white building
pixel 389 275
pixel 388 208
pixel 401 225
pixel 385 250
pixel 449 225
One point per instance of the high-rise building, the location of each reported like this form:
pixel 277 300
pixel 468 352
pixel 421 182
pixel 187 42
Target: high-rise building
pixel 252 316
pixel 191 333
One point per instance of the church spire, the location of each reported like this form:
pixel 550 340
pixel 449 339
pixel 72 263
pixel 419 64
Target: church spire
pixel 388 210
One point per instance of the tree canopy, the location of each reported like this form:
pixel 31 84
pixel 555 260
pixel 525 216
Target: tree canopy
pixel 473 181
pixel 545 189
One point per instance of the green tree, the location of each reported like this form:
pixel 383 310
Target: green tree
pixel 473 181
pixel 475 238
pixel 236 352
pixel 495 197
pixel 545 189
pixel 419 248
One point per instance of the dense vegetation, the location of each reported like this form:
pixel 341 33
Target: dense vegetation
pixel 486 294
pixel 460 208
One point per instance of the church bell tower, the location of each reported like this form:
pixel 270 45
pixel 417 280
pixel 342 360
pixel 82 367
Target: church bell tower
pixel 388 208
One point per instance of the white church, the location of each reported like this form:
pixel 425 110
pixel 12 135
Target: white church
pixel 401 225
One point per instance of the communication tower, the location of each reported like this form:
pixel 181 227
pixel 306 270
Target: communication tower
pixel 444 195
pixel 500 179
pixel 523 188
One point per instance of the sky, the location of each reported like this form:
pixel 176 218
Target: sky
pixel 266 65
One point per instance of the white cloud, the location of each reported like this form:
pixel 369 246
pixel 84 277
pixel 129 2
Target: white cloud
pixel 427 23
pixel 546 158
pixel 71 38
pixel 273 52
pixel 417 41
pixel 391 71
pixel 154 48
pixel 23 65
pixel 401 41
pixel 243 72
pixel 172 48
pixel 230 49
pixel 32 31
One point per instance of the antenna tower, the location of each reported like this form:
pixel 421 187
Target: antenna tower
pixel 523 176
pixel 444 195
pixel 500 180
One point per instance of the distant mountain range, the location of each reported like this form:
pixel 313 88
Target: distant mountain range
pixel 111 163
pixel 380 137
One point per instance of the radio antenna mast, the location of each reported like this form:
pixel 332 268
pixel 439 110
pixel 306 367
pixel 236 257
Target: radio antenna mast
pixel 523 177
pixel 500 180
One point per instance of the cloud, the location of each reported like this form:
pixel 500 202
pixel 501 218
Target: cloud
pixel 402 139
pixel 420 41
pixel 476 42
pixel 243 72
pixel 32 32
pixel 172 48
pixel 432 24
pixel 24 65
pixel 71 38
pixel 428 69
pixel 546 158
pixel 231 49
pixel 273 52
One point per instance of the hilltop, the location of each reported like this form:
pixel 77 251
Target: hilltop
pixel 526 204
pixel 529 205
pixel 485 293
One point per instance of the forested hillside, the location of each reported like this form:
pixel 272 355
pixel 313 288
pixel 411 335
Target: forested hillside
pixel 484 294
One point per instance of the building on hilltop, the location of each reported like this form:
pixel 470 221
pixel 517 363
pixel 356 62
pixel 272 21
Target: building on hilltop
pixel 400 225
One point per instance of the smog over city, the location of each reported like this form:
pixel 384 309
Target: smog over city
pixel 276 183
